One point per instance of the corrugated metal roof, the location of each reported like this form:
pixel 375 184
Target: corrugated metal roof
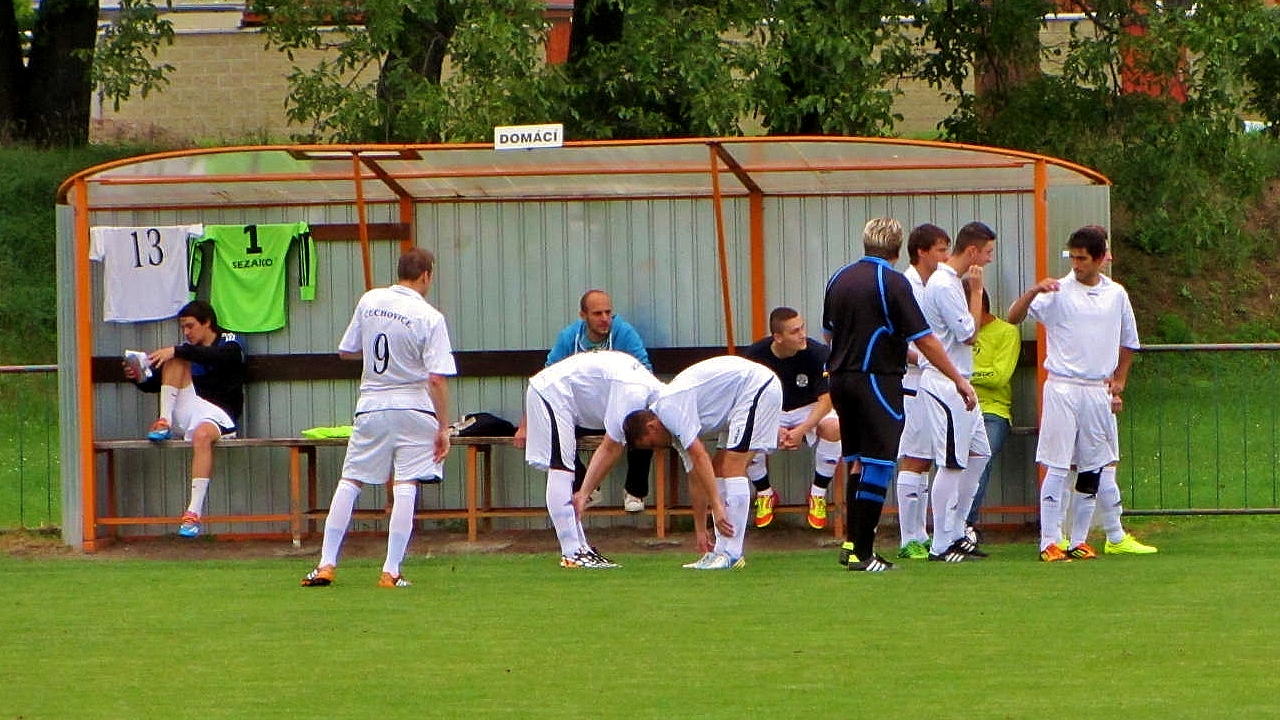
pixel 326 174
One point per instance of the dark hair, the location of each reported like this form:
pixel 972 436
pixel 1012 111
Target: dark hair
pixel 986 301
pixel 635 425
pixel 1090 238
pixel 202 312
pixel 779 316
pixel 924 237
pixel 976 234
pixel 414 262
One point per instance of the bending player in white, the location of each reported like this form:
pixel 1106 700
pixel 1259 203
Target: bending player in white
pixel 596 391
pixel 1091 335
pixel 959 438
pixel 403 343
pixel 741 401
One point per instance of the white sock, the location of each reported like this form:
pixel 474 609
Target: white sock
pixel 816 491
pixel 721 541
pixel 737 501
pixel 967 490
pixel 335 523
pixel 400 527
pixel 911 521
pixel 946 484
pixel 560 508
pixel 199 490
pixel 1110 506
pixel 168 398
pixel 758 467
pixel 1082 507
pixel 826 456
pixel 1051 492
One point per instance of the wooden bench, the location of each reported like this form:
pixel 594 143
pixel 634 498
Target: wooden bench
pixel 477 477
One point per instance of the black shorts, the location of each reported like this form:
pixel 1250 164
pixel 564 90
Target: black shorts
pixel 870 411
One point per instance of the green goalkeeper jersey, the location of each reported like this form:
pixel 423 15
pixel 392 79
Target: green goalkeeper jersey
pixel 247 272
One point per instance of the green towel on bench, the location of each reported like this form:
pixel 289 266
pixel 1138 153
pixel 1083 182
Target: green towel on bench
pixel 320 433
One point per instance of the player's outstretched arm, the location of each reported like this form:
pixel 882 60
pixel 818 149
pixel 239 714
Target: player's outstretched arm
pixel 703 473
pixel 602 461
pixel 1018 310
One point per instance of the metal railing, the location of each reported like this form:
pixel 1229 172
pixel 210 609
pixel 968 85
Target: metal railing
pixel 1200 432
pixel 30 490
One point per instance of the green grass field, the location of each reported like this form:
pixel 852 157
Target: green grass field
pixel 1202 430
pixel 30 491
pixel 1189 633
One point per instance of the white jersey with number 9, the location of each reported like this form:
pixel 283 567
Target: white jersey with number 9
pixel 403 340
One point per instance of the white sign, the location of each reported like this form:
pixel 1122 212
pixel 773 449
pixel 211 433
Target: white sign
pixel 524 137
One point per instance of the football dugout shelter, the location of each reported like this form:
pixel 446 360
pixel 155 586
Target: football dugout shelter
pixel 695 239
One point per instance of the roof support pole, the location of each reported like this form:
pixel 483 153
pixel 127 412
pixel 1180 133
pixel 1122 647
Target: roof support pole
pixel 759 326
pixel 406 219
pixel 1041 204
pixel 722 251
pixel 362 219
pixel 84 366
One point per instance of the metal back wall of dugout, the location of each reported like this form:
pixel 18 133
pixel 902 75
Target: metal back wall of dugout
pixel 511 267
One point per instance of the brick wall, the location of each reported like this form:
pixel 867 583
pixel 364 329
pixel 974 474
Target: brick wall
pixel 225 88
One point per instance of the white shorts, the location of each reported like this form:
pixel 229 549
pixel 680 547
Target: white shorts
pixel 395 444
pixel 916 440
pixel 190 410
pixel 550 441
pixel 954 433
pixel 759 419
pixel 1077 426
pixel 795 416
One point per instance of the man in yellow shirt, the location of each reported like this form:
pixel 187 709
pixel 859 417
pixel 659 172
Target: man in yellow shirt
pixel 995 355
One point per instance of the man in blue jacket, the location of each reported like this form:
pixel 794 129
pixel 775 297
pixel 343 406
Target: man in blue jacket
pixel 599 329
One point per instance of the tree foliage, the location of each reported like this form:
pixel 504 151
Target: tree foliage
pixel 829 66
pixel 1149 93
pixel 382 75
pixel 657 68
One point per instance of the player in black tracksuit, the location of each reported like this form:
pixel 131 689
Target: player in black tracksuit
pixel 870 314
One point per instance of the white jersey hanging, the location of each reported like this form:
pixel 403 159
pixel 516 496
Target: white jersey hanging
pixel 144 270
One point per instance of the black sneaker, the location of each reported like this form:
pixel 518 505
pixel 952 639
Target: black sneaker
pixel 968 547
pixel 950 555
pixel 875 564
pixel 601 561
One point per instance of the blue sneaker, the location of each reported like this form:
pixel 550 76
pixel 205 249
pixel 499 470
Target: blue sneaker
pixel 159 431
pixel 190 526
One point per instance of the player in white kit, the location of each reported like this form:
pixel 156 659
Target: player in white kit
pixel 741 401
pixel 1091 336
pixel 403 343
pixel 959 438
pixel 591 390
pixel 927 247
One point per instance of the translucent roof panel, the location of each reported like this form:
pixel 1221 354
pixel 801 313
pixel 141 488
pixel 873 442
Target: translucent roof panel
pixel 324 175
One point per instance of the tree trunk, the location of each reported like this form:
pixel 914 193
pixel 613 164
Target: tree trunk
pixel 1011 59
pixel 12 87
pixel 60 87
pixel 420 49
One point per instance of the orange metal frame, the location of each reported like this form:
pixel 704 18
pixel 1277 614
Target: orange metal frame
pixel 364 167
